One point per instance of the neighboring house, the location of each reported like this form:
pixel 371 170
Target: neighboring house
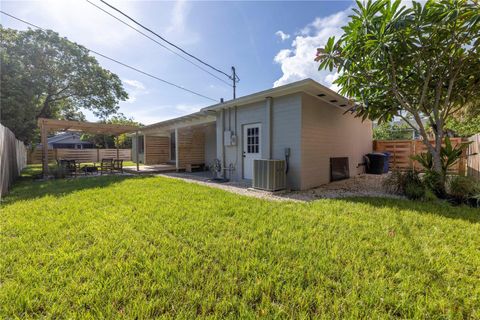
pixel 67 140
pixel 305 120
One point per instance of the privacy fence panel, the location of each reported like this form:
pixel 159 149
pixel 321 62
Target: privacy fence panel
pixel 81 155
pixel 401 152
pixel 13 158
pixel 473 159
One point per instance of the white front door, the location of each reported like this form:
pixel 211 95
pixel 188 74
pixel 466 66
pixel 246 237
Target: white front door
pixel 252 149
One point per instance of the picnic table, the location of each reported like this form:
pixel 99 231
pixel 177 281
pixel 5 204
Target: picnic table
pixel 74 167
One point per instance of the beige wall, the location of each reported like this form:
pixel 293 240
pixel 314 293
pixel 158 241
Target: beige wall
pixel 191 146
pixel 328 132
pixel 156 149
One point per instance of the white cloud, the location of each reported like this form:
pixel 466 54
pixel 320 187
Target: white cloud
pixel 178 29
pixel 298 63
pixel 282 35
pixel 134 89
pixel 78 20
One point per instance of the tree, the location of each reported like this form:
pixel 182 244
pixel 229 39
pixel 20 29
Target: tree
pixel 389 131
pixel 414 62
pixel 110 141
pixel 45 75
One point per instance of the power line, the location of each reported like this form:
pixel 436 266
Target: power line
pixel 170 43
pixel 121 63
pixel 159 43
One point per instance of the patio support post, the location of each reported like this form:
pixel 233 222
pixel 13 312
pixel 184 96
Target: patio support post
pixel 43 133
pixel 136 149
pixel 116 137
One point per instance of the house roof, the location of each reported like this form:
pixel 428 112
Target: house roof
pixel 65 136
pixel 308 86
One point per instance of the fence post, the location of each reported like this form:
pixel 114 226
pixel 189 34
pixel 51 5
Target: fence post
pixel 98 155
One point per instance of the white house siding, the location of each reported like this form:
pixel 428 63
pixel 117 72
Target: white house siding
pixel 286 133
pixel 210 144
pixel 248 114
pixel 285 122
pixel 328 132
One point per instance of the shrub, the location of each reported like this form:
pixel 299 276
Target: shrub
pixel 394 182
pixel 461 189
pixel 415 191
pixel 407 183
pixel 434 182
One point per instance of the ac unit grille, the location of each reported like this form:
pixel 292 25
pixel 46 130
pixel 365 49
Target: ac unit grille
pixel 269 175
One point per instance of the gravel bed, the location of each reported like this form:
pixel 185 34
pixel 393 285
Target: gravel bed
pixel 364 185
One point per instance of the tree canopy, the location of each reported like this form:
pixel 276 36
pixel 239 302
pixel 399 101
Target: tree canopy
pixel 45 75
pixel 420 63
pixel 110 141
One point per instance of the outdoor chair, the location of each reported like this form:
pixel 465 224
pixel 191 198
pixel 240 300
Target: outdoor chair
pixel 106 166
pixel 118 165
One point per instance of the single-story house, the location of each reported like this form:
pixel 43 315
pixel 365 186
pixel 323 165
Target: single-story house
pixel 303 122
pixel 67 140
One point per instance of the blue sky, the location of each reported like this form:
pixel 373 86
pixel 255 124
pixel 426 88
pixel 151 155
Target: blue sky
pixel 270 44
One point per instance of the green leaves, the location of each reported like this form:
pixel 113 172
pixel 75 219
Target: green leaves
pixel 422 62
pixel 45 75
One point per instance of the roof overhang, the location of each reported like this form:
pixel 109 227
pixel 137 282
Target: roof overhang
pixel 190 120
pixel 307 86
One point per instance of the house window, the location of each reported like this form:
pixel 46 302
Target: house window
pixel 173 147
pixel 253 140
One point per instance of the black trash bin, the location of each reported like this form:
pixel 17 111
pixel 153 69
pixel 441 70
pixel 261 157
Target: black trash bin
pixel 376 162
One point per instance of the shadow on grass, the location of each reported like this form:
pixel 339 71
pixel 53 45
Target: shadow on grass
pixel 439 208
pixel 27 187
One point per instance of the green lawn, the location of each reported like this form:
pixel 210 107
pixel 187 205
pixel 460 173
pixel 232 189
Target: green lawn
pixel 144 247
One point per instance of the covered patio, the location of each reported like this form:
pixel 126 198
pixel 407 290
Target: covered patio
pixel 52 125
pixel 183 143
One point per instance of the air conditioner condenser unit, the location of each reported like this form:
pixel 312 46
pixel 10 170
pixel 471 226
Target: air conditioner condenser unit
pixel 269 175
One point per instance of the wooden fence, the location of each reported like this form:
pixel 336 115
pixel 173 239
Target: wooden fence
pixel 13 158
pixel 402 150
pixel 81 155
pixel 473 159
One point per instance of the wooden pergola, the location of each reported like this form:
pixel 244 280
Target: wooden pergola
pixel 52 125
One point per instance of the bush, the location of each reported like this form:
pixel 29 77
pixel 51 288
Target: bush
pixel 434 182
pixel 406 183
pixel 415 191
pixel 462 189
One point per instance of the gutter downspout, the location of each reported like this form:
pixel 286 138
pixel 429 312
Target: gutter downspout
pixel 222 137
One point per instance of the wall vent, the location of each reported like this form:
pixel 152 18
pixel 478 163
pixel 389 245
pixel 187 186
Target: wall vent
pixel 339 169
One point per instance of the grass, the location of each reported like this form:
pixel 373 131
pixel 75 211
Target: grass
pixel 145 247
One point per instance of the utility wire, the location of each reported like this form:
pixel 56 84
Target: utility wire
pixel 170 43
pixel 159 43
pixel 120 63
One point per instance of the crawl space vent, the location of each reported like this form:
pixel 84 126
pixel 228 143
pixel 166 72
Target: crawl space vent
pixel 339 169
